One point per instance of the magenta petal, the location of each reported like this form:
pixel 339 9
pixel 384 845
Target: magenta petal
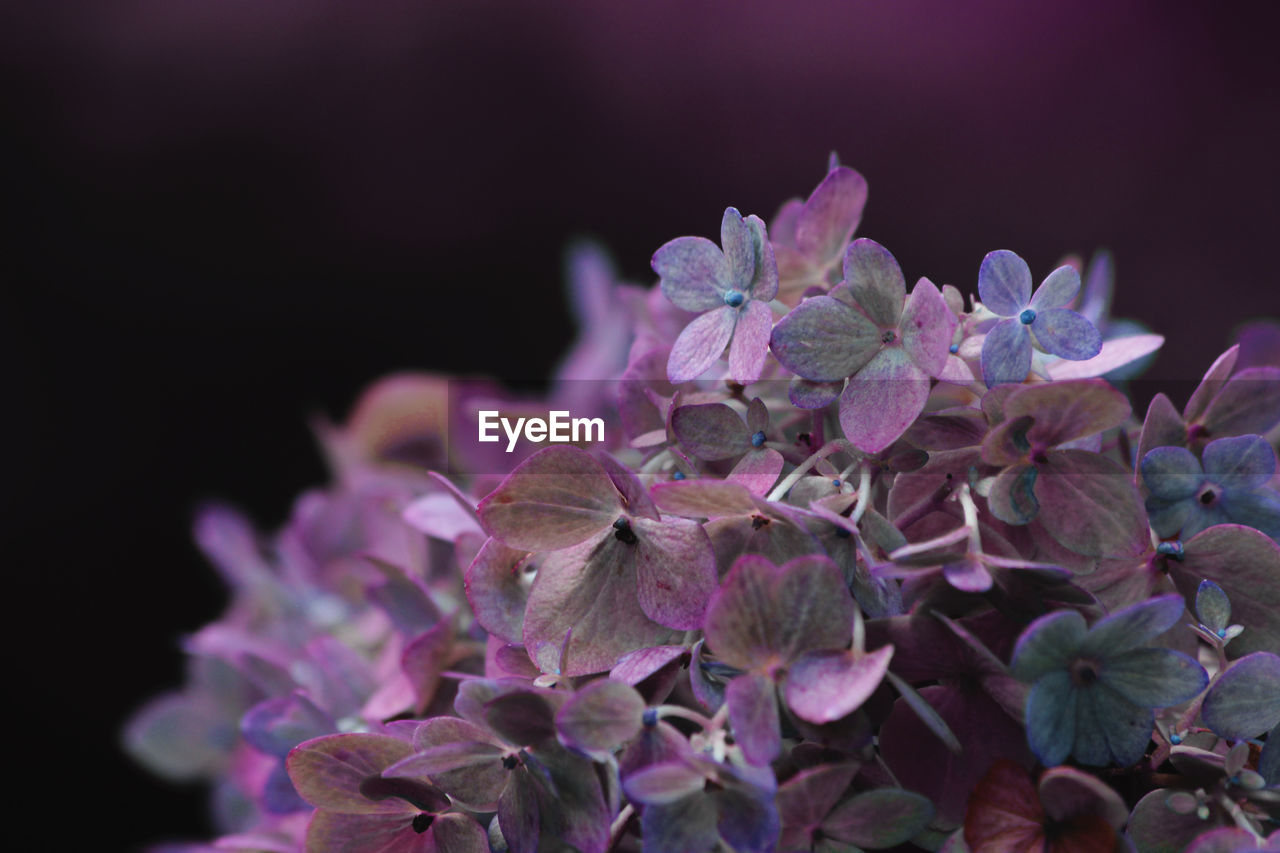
pixel 750 342
pixel 636 666
pixel 675 571
pixel 1090 504
pixel 703 498
pixel 495 589
pixel 968 575
pixel 1006 353
pixel 457 833
pixel 1114 354
pixel 600 717
pixel 823 686
pixel 328 771
pixel 710 431
pixel 1004 283
pixel 883 400
pixel 753 714
pixel 876 281
pixel 700 344
pixel 764 285
pixel 831 214
pixel 927 327
pixel 694 273
pixel 556 498
pixel 824 340
pixel 757 471
pixel 1058 289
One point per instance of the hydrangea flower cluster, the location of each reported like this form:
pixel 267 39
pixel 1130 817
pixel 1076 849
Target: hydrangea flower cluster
pixel 857 566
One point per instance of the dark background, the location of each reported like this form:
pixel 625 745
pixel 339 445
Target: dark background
pixel 227 215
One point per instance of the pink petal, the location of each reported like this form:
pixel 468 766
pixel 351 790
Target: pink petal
pixel 882 400
pixel 750 342
pixel 700 344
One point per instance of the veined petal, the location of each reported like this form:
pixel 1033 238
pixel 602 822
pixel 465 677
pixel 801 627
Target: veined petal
pixel 750 342
pixel 831 215
pixel 927 327
pixel 824 340
pixel 1153 677
pixel 1006 353
pixel 1004 283
pixel 1057 290
pixel 1066 334
pixel 1240 462
pixel 1171 473
pixel 1110 728
pixel 693 271
pixel 875 280
pixel 1259 510
pixel 1133 626
pixel 1051 717
pixel 735 237
pixel 700 344
pixel 882 400
pixel 764 281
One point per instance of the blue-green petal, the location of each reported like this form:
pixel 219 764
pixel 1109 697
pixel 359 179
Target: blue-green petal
pixel 1051 718
pixel 1154 677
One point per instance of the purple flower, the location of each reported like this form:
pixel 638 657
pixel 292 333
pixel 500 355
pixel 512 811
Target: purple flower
pixel 1004 285
pixel 1094 688
pixel 1230 487
pixel 733 285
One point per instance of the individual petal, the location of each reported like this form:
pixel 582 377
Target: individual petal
pixel 557 497
pixel 1213 608
pixel 757 470
pixel 700 344
pixel 1058 289
pixel 1244 702
pixel 735 237
pixel 329 771
pixel 750 342
pixel 764 284
pixel 462 758
pixel 688 823
pixel 1005 814
pixel 457 832
pixel 1171 473
pixel 694 273
pixel 1240 462
pixel 882 400
pixel 710 431
pixel 885 817
pixel 521 716
pixel 1064 333
pixel 518 816
pixel 1048 644
pixel 1006 353
pixel 1067 793
pixel 1110 728
pixel 675 571
pixel 1155 827
pixel 600 718
pixel 875 281
pixel 1004 283
pixel 824 340
pixel 277 725
pixel 831 214
pixel 1067 410
pixel 1153 677
pixel 753 715
pixel 1133 626
pixel 765 614
pixel 1115 354
pixel 927 327
pixel 967 575
pixel 825 685
pixel 1248 402
pixel 1090 505
pixel 1167 517
pixel 1259 510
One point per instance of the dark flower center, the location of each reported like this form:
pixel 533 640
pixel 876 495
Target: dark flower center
pixel 1027 317
pixel 1084 672
pixel 889 336
pixel 1208 496
pixel 509 762
pixel 623 533
pixel 734 298
pixel 422 822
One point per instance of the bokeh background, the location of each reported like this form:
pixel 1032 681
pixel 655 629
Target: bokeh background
pixel 229 215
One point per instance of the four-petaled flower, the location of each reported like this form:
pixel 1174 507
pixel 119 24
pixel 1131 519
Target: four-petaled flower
pixel 1094 688
pixel 1004 286
pixel 1230 487
pixel 733 285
